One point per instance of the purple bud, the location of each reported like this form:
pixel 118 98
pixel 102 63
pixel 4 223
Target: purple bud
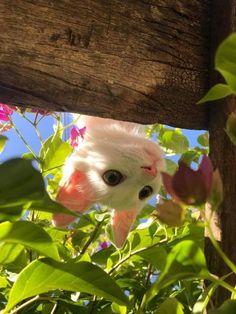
pixel 104 245
pixel 188 186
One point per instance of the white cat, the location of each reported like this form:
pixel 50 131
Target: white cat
pixel 116 166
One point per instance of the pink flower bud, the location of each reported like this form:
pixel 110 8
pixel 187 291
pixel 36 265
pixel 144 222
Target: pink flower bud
pixel 188 186
pixel 217 194
pixel 170 213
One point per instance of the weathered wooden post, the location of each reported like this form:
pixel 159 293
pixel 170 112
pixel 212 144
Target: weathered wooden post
pixel 144 61
pixel 222 151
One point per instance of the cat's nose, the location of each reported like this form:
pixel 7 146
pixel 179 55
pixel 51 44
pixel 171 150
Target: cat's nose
pixel 151 170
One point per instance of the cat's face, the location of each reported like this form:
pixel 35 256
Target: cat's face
pixel 115 166
pixel 122 173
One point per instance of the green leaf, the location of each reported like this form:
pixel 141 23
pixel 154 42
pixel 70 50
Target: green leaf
pixel 9 252
pixel 3 282
pixel 19 179
pixel 170 306
pixel 230 79
pixel 22 187
pixel 216 92
pixel 185 260
pixel 3 140
pixel 101 257
pixel 225 61
pixel 155 256
pixel 28 156
pixel 30 235
pixel 79 238
pixel 53 184
pixel 174 141
pixel 52 140
pixel 190 156
pixel 45 204
pixel 228 307
pixel 55 158
pixel 171 166
pixel 118 309
pixel 203 139
pixel 150 130
pixel 141 238
pixel 54 152
pixel 44 275
pixel 19 263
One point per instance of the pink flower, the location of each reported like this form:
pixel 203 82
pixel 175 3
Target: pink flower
pixel 189 186
pixel 5 112
pixel 75 133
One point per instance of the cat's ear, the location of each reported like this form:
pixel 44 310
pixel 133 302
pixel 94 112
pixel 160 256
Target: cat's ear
pixel 122 221
pixel 74 195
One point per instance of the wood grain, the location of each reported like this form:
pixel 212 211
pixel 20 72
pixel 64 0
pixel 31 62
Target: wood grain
pixel 222 151
pixel 143 61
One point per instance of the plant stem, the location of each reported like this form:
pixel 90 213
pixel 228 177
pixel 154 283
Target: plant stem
pixel 35 119
pixel 34 124
pixel 93 304
pixel 56 167
pixel 124 259
pixel 38 134
pixel 24 141
pixel 71 124
pixel 91 238
pixel 222 283
pixel 219 250
pixel 36 298
pixel 148 274
pixel 25 304
pixel 40 119
pixel 54 308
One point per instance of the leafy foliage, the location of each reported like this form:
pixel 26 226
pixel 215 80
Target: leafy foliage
pixel 78 269
pixel 44 275
pixel 225 63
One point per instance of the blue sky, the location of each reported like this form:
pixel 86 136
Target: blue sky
pixel 15 147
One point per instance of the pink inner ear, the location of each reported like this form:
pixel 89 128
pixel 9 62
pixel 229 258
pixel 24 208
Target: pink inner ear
pixel 122 222
pixel 72 195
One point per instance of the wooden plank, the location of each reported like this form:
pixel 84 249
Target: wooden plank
pixel 143 61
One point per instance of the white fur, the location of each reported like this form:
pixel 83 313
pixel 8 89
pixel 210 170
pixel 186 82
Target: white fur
pixel 117 145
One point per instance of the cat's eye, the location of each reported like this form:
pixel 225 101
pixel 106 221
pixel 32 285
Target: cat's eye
pixel 145 192
pixel 112 177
